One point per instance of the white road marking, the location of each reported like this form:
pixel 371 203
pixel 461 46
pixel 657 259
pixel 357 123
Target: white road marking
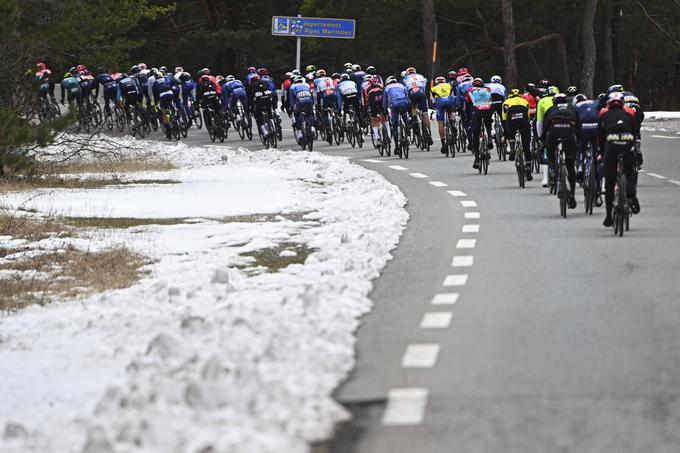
pixel 436 320
pixel 662 136
pixel 468 204
pixel 673 181
pixel 463 261
pixel 438 184
pixel 455 280
pixel 398 167
pixel 405 406
pixel 418 175
pixel 471 228
pixel 657 176
pixel 420 355
pixel 457 193
pixel 466 243
pixel 472 215
pixel 373 161
pixel 445 299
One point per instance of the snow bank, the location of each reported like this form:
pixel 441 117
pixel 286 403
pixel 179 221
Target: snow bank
pixel 201 353
pixel 662 115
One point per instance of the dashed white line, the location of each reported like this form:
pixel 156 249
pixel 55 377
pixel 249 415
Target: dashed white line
pixel 457 193
pixel 373 161
pixel 472 215
pixel 405 406
pixel 398 167
pixel 466 243
pixel 436 320
pixel 662 136
pixel 463 261
pixel 418 175
pixel 438 184
pixel 657 176
pixel 673 181
pixel 471 228
pixel 445 299
pixel 455 280
pixel 468 204
pixel 420 355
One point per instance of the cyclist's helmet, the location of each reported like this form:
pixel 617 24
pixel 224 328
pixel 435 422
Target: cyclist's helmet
pixel 184 77
pixel 179 69
pixel 40 66
pixel 572 91
pixel 123 76
pixel 496 79
pixel 560 98
pixel 262 72
pixel 295 72
pixel 252 70
pixel 452 75
pixel 321 73
pixel 391 79
pixel 368 78
pixel 67 75
pixel 615 89
pixel 310 68
pixel 335 76
pixel 552 89
pixel 157 74
pixel 356 68
pixel 142 66
pixel 219 78
pixel 164 70
pixel 478 82
pixel 615 99
pixel 579 98
pixel 299 79
pixel 410 70
pixel 544 83
pixel 531 85
pixel 230 78
pixel 81 68
pixel 72 70
pixel 439 80
pixel 370 70
pixel 344 76
pixel 463 71
pixel 310 77
pixel 134 70
pixel 347 65
pixel 513 93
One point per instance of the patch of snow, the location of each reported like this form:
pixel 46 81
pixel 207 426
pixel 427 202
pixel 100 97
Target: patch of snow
pixel 201 353
pixel 662 115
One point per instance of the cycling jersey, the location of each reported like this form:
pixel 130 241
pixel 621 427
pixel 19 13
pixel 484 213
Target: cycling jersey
pixel 395 96
pixel 300 94
pixel 323 87
pixel 541 108
pixel 479 98
pixel 515 109
pixel 444 99
pixel 588 117
pixel 415 83
pixel 346 89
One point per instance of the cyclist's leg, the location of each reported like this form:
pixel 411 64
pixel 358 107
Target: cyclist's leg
pixel 610 161
pixel 487 124
pixel 525 133
pixel 475 128
pixel 570 147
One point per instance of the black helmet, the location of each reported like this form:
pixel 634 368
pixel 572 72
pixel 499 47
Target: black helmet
pixel 544 83
pixel 344 76
pixel 370 70
pixel 135 69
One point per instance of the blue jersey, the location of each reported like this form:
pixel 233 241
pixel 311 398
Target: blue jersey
pixel 163 87
pixel 461 91
pixel 300 94
pixel 395 95
pixel 588 117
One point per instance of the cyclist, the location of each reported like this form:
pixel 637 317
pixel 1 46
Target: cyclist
pixel 163 96
pixel 105 80
pixel 373 99
pixel 461 73
pixel 142 78
pixel 186 83
pixel 264 76
pixel 252 72
pixel 301 99
pixel 70 85
pixel 85 79
pixel 262 101
pixel 561 125
pixel 588 118
pixel 232 92
pixel 324 95
pixel 453 75
pixel 542 107
pixel 632 102
pixel 372 71
pixel 357 75
pixel 498 94
pixel 208 94
pixel 515 116
pixel 396 97
pixel 445 103
pixel 542 89
pixel 310 70
pixel 128 93
pixel 572 91
pixel 287 82
pixel 464 84
pixel 478 101
pixel 347 95
pixel 46 84
pixel 617 128
pixel 417 87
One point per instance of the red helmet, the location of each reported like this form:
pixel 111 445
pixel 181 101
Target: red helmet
pixel 41 66
pixel 463 71
pixel 254 79
pixel 262 71
pixel 80 68
pixel 252 70
pixel 615 99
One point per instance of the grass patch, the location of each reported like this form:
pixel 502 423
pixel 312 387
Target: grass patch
pixel 30 228
pixel 124 165
pixel 271 259
pixel 24 184
pixel 68 273
pixel 119 222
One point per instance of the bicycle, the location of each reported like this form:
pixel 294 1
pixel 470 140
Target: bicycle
pixel 213 123
pixel 621 213
pixel 519 159
pixel 498 131
pixel 353 128
pixel 267 132
pixel 562 187
pixel 484 155
pixel 591 188
pixel 450 136
pixel 462 135
pixel 401 138
pixel 195 113
pixel 308 137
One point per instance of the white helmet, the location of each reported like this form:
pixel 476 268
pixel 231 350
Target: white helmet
pixel 230 78
pixel 496 79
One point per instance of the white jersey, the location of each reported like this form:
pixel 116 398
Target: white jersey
pixel 415 83
pixel 496 88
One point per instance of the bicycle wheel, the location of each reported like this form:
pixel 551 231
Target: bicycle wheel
pixel 198 118
pixel 562 190
pixel 387 143
pixel 519 164
pixel 273 139
pixel 360 138
pixel 351 136
pixel 109 120
pixel 485 162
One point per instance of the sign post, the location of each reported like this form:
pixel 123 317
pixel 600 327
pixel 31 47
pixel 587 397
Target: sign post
pixel 312 27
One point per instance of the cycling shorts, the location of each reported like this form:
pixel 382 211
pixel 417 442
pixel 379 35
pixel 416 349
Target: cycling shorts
pixel 418 99
pixel 375 104
pixel 443 105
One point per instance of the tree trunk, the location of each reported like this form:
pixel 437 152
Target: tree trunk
pixel 562 55
pixel 607 52
pixel 589 51
pixel 509 56
pixel 429 24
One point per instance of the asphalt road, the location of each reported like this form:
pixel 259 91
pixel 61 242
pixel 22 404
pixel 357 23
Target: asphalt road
pixel 548 334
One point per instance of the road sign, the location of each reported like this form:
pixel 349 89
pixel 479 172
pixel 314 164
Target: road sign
pixel 313 27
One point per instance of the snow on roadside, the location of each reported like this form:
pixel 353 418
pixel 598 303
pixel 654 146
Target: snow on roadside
pixel 200 353
pixel 662 122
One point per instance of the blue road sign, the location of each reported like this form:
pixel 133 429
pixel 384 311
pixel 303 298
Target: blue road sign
pixel 313 27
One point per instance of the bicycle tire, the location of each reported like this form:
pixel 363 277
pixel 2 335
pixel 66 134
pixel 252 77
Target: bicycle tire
pixel 562 190
pixel 487 158
pixel 405 149
pixel 519 163
pixel 351 137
